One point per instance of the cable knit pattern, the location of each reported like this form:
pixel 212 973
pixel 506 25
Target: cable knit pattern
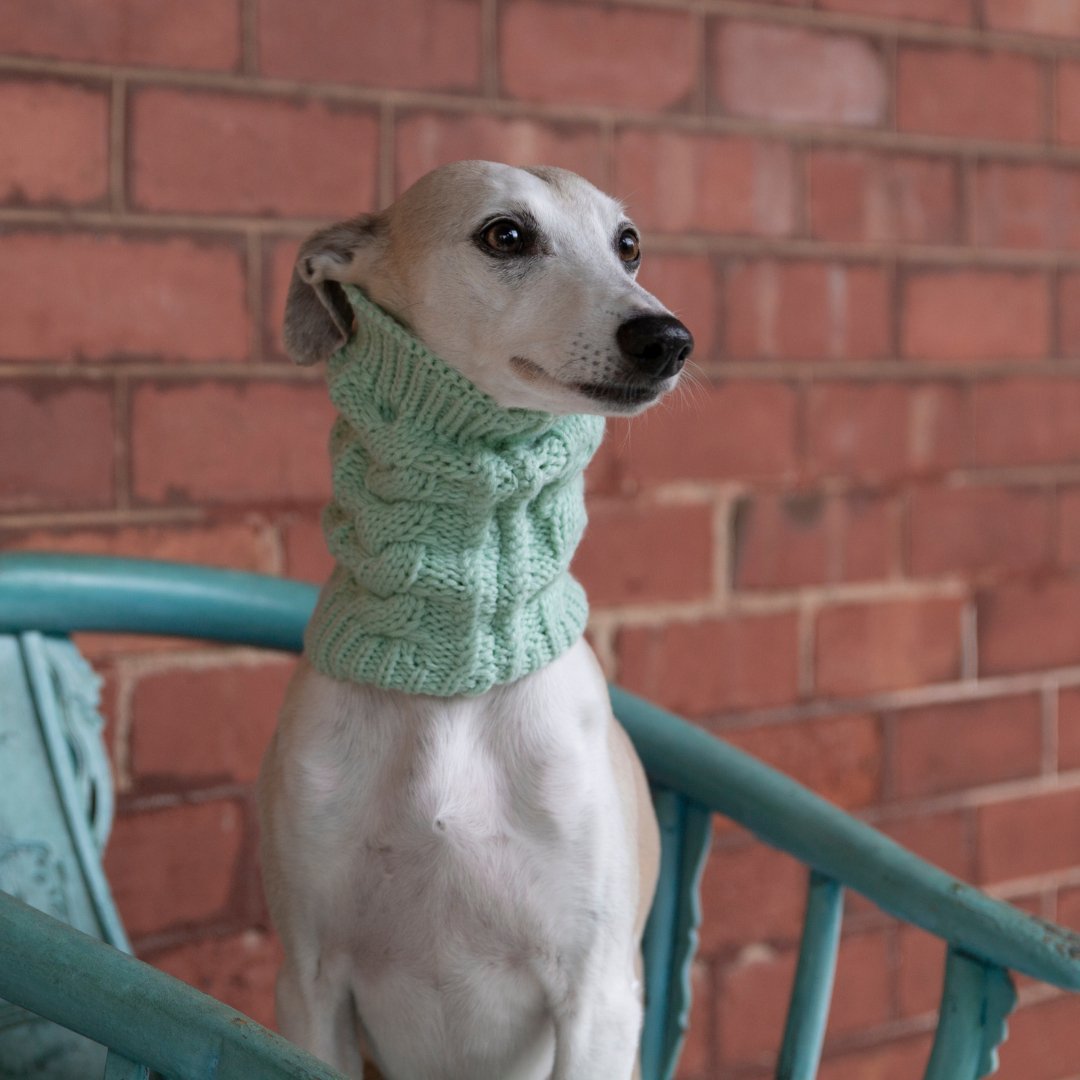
pixel 453 523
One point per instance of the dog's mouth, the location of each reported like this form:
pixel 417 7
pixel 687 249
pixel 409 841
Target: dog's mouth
pixel 620 395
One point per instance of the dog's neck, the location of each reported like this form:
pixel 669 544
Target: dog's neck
pixel 453 522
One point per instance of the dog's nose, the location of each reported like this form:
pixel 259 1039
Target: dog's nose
pixel 657 345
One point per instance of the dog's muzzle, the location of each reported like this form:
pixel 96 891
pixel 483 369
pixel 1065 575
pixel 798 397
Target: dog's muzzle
pixel 656 345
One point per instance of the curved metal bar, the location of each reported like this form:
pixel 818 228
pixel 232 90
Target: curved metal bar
pixel 92 988
pixel 808 1011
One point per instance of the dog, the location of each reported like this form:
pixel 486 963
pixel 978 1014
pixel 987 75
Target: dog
pixel 460 883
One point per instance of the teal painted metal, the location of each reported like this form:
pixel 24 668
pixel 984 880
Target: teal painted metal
pixel 976 999
pixel 119 1068
pixel 670 939
pixel 143 1014
pixel 808 1011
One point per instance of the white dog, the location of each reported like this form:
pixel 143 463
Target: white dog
pixel 461 882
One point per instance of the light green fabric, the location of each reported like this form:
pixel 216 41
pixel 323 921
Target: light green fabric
pixel 453 522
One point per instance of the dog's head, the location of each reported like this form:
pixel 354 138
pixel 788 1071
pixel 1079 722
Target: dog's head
pixel 522 279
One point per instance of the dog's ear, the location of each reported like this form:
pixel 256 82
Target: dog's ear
pixel 318 316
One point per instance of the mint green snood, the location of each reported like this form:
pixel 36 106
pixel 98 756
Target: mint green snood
pixel 453 522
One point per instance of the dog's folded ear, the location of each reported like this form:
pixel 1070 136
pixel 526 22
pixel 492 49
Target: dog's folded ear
pixel 318 316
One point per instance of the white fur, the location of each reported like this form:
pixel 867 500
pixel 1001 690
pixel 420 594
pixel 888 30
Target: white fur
pixel 460 884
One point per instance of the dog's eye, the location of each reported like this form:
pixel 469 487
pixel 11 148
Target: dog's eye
pixel 505 236
pixel 628 246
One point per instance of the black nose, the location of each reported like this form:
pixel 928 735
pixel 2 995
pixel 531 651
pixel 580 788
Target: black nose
pixel 656 345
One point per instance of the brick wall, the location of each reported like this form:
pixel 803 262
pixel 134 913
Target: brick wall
pixel 851 547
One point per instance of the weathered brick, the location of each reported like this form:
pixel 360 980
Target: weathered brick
pixel 238 969
pixel 947 747
pixel 969 94
pixel 1032 835
pixel 425 140
pixel 1067 97
pixel 200 34
pixel 237 545
pixel 898 1059
pixel 921 970
pixel 1043 1042
pixel 56 143
pixel 675 181
pixel 406 45
pixel 197 727
pixel 886 430
pixel 1068 307
pixel 869 537
pixel 975 315
pixel 634 554
pixel 781 541
pixel 1069 730
pixel 716 433
pixel 945 839
pixel 797 75
pixel 56 445
pixel 178 866
pixel 183 299
pixel 883 198
pixel 208 152
pixel 1026 422
pixel 226 442
pixel 870 647
pixel 689 285
pixel 1060 19
pixel 1029 627
pixel 713 665
pixel 951 12
pixel 551 51
pixel 1025 206
pixel 972 530
pixel 838 757
pixel 807 310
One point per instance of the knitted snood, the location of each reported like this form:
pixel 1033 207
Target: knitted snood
pixel 452 522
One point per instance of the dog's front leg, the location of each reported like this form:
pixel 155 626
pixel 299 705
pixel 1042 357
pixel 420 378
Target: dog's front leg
pixel 597 1035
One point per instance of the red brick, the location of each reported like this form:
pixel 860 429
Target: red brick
pixel 689 286
pixel 56 443
pixel 838 757
pixel 897 1060
pixel 797 75
pixel 56 143
pixel 1044 1041
pixel 970 94
pixel 679 182
pixel 948 747
pixel 590 55
pixel 921 971
pixel 807 310
pixel 1029 627
pixel 869 541
pixel 1027 422
pixel 306 556
pixel 713 665
pixel 754 995
pixel 406 45
pixel 944 839
pixel 182 299
pixel 196 727
pixel 697 1052
pixel 1025 206
pixel 198 34
pixel 716 433
pixel 425 140
pixel 1033 835
pixel 227 153
pixel 1068 908
pixel 883 198
pixel 1060 19
pixel 1069 315
pixel 177 866
pixel 975 315
pixel 239 546
pixel 885 430
pixel 634 554
pixel 239 970
pixel 973 530
pixel 231 441
pixel 891 645
pixel 781 541
pixel 1069 730
pixel 1067 98
pixel 751 893
pixel 951 12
